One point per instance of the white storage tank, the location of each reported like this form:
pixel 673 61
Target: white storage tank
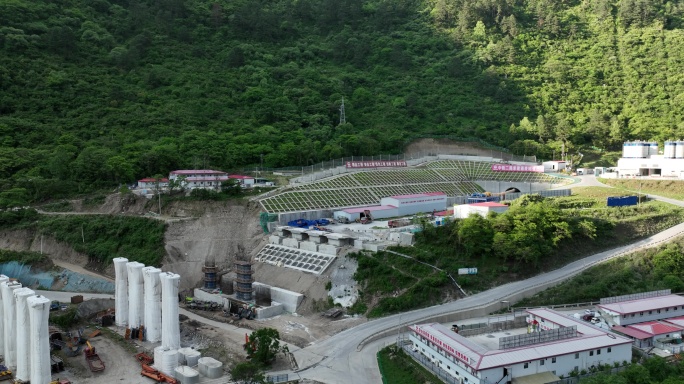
pixel 210 368
pixel 679 150
pixel 635 150
pixel 186 375
pixel 652 148
pixel 670 149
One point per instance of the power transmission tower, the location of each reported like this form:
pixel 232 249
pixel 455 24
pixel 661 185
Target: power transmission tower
pixel 343 118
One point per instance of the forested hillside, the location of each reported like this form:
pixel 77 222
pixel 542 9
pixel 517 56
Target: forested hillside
pixel 99 92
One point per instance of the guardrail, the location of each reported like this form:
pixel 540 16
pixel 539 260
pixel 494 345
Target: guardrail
pixel 520 293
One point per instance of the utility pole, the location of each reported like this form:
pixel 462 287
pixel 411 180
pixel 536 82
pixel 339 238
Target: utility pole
pixel 343 118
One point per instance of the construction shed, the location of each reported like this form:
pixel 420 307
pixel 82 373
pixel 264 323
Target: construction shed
pixel 416 203
pixel 376 212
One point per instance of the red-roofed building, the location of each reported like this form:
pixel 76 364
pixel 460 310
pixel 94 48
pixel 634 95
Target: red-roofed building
pixel 645 334
pixel 152 183
pixel 643 310
pixel 464 210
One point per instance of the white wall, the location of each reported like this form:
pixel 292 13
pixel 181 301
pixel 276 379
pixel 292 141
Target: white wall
pixel 445 361
pixel 635 318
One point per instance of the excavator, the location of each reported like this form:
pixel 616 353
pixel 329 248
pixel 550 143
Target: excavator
pixel 93 359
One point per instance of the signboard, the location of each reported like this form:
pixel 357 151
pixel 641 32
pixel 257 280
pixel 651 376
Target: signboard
pixel 376 164
pixel 443 345
pixel 467 271
pixel 517 168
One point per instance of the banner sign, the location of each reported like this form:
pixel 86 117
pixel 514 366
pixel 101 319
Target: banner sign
pixel 517 168
pixel 467 271
pixel 375 164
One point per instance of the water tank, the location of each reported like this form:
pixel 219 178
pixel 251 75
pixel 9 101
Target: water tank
pixel 679 150
pixel 186 375
pixel 210 368
pixel 635 150
pixel 670 149
pixel 652 148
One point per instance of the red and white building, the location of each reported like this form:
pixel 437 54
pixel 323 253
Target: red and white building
pixel 646 334
pixel 643 310
pixel 208 178
pixel 152 183
pixel 582 346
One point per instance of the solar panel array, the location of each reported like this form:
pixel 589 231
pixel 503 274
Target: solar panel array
pixel 635 296
pixel 523 340
pixel 453 177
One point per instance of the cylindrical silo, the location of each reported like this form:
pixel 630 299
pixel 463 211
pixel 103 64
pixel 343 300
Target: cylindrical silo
pixel 153 315
pixel 169 361
pixel 121 291
pixel 9 314
pixel 3 279
pixel 135 294
pixel 186 375
pixel 210 367
pixel 679 150
pixel 669 149
pixel 23 371
pixel 652 148
pixel 39 312
pixel 170 328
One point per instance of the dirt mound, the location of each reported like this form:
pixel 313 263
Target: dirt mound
pixel 451 147
pixel 29 240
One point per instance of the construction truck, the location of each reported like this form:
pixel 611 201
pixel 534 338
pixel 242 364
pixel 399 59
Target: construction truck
pixel 366 217
pixel 5 373
pixel 93 359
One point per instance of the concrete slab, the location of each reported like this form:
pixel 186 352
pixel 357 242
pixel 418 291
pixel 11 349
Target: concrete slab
pixel 374 247
pixel 308 246
pixel 358 244
pixel 406 238
pixel 292 243
pixel 328 249
pixel 275 239
pixel 288 299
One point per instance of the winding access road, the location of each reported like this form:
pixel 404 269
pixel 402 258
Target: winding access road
pixel 350 356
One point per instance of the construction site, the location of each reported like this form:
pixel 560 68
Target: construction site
pixel 276 261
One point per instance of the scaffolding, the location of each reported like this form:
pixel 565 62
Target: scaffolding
pixel 244 279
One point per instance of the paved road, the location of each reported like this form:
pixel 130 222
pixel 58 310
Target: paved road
pixel 349 356
pixel 343 358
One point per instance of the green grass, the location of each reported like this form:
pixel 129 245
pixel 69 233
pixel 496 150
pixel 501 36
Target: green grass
pixel 22 257
pixel 393 284
pixel 673 189
pixel 399 368
pixel 105 237
pixel 649 270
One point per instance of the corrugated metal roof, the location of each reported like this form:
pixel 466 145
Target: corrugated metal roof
pixel 631 332
pixel 537 378
pixel 374 208
pixel 591 337
pixel 676 321
pixel 427 194
pixel 641 305
pixel 488 204
pixel 196 172
pixel 565 321
pixel 542 351
pixel 655 328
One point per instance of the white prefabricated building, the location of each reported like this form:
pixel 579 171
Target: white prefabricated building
pixel 417 203
pixel 121 290
pixel 23 371
pixel 153 315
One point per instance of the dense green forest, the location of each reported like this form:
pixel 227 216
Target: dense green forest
pixel 99 92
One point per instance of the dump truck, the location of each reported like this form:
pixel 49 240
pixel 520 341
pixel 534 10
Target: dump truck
pixel 398 223
pixel 93 359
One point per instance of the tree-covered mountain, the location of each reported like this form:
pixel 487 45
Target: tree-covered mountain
pixel 98 92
